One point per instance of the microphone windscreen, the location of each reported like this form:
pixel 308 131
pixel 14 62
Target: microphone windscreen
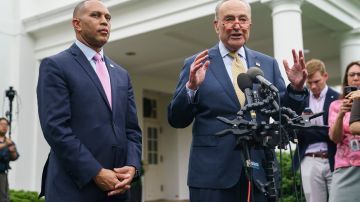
pixel 244 81
pixel 253 72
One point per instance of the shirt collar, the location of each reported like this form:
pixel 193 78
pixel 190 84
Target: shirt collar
pixel 88 52
pixel 224 51
pixel 322 93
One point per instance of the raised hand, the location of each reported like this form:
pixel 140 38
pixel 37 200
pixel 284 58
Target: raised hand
pixel 198 70
pixel 297 73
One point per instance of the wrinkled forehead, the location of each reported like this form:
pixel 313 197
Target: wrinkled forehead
pixel 234 8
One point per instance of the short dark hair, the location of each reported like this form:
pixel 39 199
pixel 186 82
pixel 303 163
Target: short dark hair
pixel 78 7
pixel 3 118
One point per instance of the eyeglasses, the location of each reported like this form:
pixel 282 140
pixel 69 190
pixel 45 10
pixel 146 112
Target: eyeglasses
pixel 231 21
pixel 353 74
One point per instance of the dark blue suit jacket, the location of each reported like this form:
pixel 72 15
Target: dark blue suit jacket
pixel 84 133
pixel 311 136
pixel 214 162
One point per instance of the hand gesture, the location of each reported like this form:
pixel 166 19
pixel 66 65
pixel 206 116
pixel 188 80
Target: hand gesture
pixel 353 95
pixel 125 175
pixel 297 73
pixel 197 70
pixel 345 106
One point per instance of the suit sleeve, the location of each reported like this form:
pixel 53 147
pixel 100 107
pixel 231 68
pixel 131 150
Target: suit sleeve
pixel 54 109
pixel 133 131
pixel 181 110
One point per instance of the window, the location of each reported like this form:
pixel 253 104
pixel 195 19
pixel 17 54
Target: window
pixel 149 108
pixel 152 145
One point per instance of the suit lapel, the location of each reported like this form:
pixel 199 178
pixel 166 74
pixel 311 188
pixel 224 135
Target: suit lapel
pixel 218 69
pixel 85 64
pixel 328 100
pixel 113 82
pixel 251 59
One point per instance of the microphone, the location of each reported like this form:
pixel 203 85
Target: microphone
pixel 245 84
pixel 257 75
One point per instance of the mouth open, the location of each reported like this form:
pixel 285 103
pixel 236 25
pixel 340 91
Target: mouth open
pixel 236 36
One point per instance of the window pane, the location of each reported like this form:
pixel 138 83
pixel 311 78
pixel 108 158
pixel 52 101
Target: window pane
pixel 150 146
pixel 155 146
pixel 150 158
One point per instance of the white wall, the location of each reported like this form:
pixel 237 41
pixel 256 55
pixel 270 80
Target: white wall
pixel 17 62
pixel 30 8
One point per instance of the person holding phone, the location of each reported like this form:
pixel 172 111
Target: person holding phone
pixel 8 152
pixel 346 177
pixel 315 151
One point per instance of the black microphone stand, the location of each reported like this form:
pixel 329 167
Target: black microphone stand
pixel 10 94
pixel 266 136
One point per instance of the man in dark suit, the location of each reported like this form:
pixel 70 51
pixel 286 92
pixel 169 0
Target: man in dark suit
pixel 316 150
pixel 88 116
pixel 206 90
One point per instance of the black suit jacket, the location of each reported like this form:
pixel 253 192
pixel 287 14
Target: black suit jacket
pixel 311 136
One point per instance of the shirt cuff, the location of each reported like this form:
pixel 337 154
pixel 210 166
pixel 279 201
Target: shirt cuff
pixel 191 94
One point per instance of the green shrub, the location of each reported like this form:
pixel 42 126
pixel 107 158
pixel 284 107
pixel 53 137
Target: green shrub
pixel 24 196
pixel 288 189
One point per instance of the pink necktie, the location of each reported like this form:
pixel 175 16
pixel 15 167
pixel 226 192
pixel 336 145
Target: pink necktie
pixel 102 73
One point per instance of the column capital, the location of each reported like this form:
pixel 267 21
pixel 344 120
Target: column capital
pixel 351 37
pixel 349 47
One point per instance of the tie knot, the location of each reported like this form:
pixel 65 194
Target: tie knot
pixel 234 55
pixel 97 57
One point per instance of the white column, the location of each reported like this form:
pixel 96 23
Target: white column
pixel 9 69
pixel 287 30
pixel 18 69
pixel 349 49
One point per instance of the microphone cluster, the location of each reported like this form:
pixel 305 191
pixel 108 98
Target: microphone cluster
pixel 253 75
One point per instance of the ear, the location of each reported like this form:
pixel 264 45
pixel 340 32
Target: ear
pixel 76 24
pixel 216 26
pixel 326 76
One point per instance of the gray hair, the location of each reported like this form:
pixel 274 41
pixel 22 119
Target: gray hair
pixel 223 1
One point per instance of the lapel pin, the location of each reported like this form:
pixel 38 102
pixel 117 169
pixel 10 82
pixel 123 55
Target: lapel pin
pixel 111 65
pixel 257 64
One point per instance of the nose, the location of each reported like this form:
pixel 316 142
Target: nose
pixel 104 20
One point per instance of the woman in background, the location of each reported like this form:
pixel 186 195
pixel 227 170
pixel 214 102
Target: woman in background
pixel 346 177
